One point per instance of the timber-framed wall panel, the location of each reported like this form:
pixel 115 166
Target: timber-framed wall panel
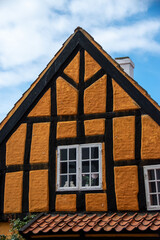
pixel 83 81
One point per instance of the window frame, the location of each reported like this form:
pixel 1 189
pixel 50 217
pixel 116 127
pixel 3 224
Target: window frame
pixel 148 193
pixel 58 167
pixel 79 167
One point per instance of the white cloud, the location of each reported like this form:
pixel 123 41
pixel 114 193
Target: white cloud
pixel 106 11
pixel 34 30
pixel 139 36
pixel 31 29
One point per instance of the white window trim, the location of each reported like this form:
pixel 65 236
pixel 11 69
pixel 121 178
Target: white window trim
pixel 58 168
pixel 79 170
pixel 146 168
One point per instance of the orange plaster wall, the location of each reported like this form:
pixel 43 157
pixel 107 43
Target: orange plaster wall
pixel 67 129
pixel 66 202
pixel 43 107
pixel 38 191
pixel 40 143
pixel 15 146
pixel 4 228
pixel 13 192
pixel 94 127
pixel 95 97
pixel 121 100
pixel 126 188
pixel 124 138
pixel 91 66
pixel 72 70
pixel 150 138
pixel 67 98
pixel 96 202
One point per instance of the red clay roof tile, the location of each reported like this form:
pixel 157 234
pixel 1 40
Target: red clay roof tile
pixel 143 227
pixel 130 228
pixel 107 228
pixel 102 224
pixel 56 229
pixel 119 228
pixel 97 228
pixel 36 230
pixel 77 218
pixel 158 216
pixel 116 217
pixel 91 223
pixel 41 219
pixel 135 223
pixel 50 219
pixel 43 225
pixel 113 223
pixel 76 228
pixel 140 216
pixel 157 222
pixel 154 227
pixel 123 223
pixel 87 228
pixel 146 223
pixel 66 228
pixel 129 217
pixel 94 222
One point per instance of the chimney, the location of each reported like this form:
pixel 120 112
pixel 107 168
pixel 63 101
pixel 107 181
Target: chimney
pixel 127 65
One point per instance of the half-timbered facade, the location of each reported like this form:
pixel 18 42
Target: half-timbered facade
pixel 84 139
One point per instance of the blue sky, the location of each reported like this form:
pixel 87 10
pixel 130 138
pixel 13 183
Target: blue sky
pixel 32 31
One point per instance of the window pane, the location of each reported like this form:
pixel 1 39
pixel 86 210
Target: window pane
pixel 85 153
pixel 153 199
pixel 158 184
pixel 158 173
pixel 63 167
pixel 151 175
pixel 85 180
pixel 95 180
pixel 94 152
pixel 72 154
pixel 72 167
pixel 94 166
pixel 72 180
pixel 152 187
pixel 63 154
pixel 63 181
pixel 85 166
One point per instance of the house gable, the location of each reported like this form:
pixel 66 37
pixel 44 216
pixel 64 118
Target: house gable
pixel 82 98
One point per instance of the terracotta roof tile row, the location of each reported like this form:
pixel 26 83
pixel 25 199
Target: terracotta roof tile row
pixel 96 222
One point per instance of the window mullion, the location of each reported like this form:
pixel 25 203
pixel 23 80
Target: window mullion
pixel 58 169
pixel 89 166
pixel 68 165
pixel 156 183
pixel 79 166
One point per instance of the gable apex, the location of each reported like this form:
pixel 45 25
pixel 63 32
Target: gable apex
pixel 79 39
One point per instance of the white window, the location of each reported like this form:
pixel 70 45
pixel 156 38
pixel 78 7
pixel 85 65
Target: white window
pixel 79 167
pixel 152 186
